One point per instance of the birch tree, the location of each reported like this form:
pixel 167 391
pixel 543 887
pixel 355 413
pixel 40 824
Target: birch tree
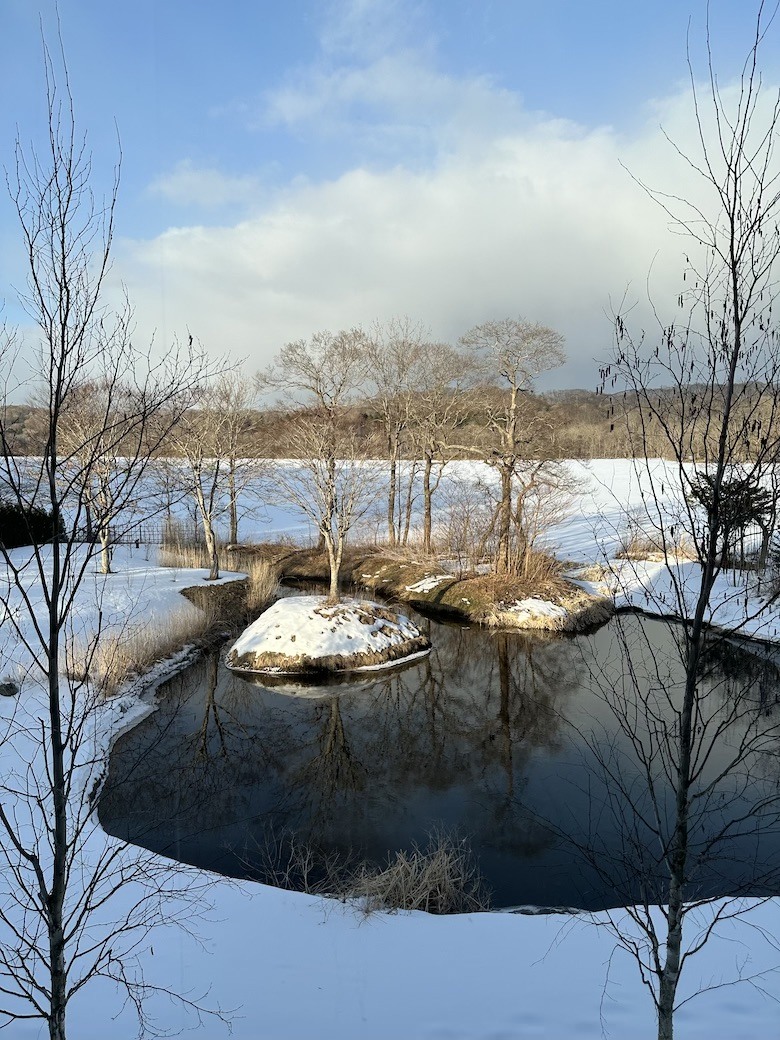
pixel 439 409
pixel 234 399
pixel 397 353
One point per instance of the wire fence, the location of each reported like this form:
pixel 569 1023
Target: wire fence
pixel 145 533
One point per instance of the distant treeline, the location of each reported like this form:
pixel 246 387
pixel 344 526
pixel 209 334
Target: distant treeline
pixel 581 424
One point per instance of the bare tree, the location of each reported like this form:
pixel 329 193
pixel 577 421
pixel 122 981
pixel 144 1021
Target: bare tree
pixel 207 438
pixel 63 876
pixel 333 488
pixel 202 476
pixel 439 408
pixel 234 398
pixel 397 358
pixel 512 353
pixel 707 384
pixel 111 422
pixel 329 482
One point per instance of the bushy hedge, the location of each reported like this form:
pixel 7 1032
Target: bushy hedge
pixel 25 525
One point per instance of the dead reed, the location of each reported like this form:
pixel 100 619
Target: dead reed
pixel 263 576
pixel 116 658
pixel 440 876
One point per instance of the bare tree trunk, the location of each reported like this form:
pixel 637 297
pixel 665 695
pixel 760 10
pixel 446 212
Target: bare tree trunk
pixel 504 560
pixel 209 536
pixel 233 502
pixel 211 549
pixel 408 505
pixel 670 973
pixel 88 521
pixel 55 899
pixel 427 520
pixel 105 548
pixel 58 972
pixel 335 554
pixel 766 540
pixel 392 488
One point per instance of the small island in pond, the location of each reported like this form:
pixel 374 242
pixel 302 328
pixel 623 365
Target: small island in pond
pixel 306 635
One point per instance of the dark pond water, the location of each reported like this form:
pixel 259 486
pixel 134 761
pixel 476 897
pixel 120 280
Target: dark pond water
pixel 532 748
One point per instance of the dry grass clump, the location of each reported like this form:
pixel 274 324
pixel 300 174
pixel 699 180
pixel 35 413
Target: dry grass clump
pixel 439 877
pixel 184 556
pixel 536 567
pixel 116 658
pixel 262 574
pixel 263 584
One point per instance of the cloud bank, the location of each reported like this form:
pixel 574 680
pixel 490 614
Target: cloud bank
pixel 453 205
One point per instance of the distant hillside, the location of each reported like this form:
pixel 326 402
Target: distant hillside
pixel 580 424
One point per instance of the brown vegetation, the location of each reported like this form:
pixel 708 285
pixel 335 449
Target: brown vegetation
pixel 258 592
pixel 439 877
pixel 427 586
pixel 117 659
pixel 577 424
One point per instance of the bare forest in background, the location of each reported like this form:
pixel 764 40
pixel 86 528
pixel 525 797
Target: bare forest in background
pixel 568 424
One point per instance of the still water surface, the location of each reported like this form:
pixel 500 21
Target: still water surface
pixel 506 739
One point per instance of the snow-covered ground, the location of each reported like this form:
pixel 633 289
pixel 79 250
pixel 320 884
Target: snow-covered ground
pixel 292 967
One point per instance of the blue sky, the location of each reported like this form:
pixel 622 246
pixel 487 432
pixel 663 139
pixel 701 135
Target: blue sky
pixel 293 166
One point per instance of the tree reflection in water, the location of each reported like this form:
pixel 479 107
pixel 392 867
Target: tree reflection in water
pixel 621 823
pixel 478 737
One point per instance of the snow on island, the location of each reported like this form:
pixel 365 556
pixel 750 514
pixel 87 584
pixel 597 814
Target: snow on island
pixel 302 635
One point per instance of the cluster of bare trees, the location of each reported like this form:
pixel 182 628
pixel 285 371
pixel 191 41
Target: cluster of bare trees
pixel 415 387
pixel 209 465
pixel 351 398
pixel 329 481
pixel 422 403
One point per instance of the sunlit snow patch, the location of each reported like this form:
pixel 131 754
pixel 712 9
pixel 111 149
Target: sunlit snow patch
pixel 429 583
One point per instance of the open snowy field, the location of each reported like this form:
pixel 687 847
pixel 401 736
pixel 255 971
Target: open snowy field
pixel 286 966
pixel 604 492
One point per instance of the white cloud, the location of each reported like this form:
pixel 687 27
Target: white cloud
pixel 544 223
pixel 376 87
pixel 368 29
pixel 188 185
pixel 479 209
